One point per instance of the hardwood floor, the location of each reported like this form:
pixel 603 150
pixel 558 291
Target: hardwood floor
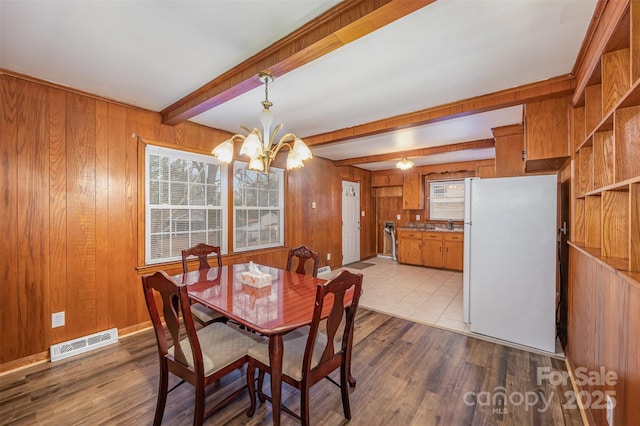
pixel 408 374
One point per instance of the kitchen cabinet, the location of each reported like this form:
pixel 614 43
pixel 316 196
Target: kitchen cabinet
pixel 410 247
pixel 509 146
pixel 486 172
pixel 443 250
pixel 547 133
pixel 452 251
pixel 387 180
pixel 432 249
pixel 413 192
pixel 432 253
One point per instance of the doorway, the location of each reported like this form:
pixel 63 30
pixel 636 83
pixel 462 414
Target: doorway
pixel 350 222
pixel 563 262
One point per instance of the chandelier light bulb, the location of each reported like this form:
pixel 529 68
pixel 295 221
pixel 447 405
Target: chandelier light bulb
pixel 224 151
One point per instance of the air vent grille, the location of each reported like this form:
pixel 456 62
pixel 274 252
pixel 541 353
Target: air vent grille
pixel 83 344
pixel 324 270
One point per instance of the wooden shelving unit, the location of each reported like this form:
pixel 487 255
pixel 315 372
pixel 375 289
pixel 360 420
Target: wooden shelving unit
pixel 606 139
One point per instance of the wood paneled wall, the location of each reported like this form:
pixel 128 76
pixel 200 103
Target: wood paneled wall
pixel 70 217
pixel 321 228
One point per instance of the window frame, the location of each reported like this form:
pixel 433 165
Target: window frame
pixel 280 208
pixel 435 183
pixel 150 150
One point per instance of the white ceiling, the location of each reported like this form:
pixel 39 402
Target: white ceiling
pixel 153 53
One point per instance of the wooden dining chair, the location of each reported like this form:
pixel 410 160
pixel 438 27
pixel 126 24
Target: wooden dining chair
pixel 200 358
pixel 201 313
pixel 308 357
pixel 303 254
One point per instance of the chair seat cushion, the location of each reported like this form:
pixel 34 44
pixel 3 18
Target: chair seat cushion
pixel 221 345
pixel 294 344
pixel 203 314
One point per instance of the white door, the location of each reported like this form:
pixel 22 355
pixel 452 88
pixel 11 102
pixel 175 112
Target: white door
pixel 350 222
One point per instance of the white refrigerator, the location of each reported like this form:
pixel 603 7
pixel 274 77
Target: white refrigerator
pixel 509 271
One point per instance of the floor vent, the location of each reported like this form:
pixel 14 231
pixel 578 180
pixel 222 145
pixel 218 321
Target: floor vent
pixel 324 270
pixel 83 344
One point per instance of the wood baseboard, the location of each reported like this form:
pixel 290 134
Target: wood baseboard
pixel 31 360
pixel 587 418
pixel 11 366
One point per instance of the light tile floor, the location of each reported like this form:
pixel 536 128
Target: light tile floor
pixel 425 295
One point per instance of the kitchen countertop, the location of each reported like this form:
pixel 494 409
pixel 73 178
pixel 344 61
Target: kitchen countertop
pixel 423 229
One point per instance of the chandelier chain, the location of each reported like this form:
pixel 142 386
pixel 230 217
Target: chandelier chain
pixel 266 89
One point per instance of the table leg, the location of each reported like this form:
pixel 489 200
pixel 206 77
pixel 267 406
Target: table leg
pixel 275 359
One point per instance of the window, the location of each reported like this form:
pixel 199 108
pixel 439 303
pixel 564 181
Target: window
pixel 257 208
pixel 446 200
pixel 186 202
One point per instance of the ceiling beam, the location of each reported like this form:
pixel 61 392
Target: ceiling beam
pixel 557 86
pixel 421 152
pixel 347 21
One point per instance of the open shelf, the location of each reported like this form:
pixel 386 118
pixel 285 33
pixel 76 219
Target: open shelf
pixel 606 183
pixel 620 186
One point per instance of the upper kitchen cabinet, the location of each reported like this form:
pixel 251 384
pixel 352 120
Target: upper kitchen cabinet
pixel 413 192
pixel 509 146
pixel 378 180
pixel 546 138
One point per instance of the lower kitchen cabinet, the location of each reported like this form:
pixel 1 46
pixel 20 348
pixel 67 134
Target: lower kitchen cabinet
pixel 432 249
pixel 410 247
pixel 452 251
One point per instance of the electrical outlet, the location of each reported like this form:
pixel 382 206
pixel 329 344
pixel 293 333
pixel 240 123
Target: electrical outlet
pixel 610 406
pixel 313 204
pixel 328 256
pixel 398 217
pixel 57 319
pixel 417 217
pixel 362 213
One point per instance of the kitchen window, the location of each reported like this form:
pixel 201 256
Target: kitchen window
pixel 258 201
pixel 446 200
pixel 186 202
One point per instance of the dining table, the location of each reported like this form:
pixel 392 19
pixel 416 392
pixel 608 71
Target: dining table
pixel 273 310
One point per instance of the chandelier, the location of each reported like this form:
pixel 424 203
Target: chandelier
pixel 404 164
pixel 261 147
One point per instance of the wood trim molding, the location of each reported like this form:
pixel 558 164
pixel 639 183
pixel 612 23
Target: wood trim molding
pixel 422 152
pixel 347 21
pixel 603 24
pixel 553 87
pixel 513 129
pixel 68 89
pixel 589 36
pixel 28 361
